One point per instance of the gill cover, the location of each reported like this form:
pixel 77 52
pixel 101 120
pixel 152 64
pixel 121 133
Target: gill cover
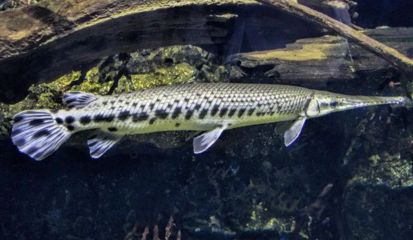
pixel 322 104
pixel 318 105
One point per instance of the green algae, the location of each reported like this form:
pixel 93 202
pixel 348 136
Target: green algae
pixel 261 219
pixel 42 96
pixel 177 74
pixel 47 95
pixel 385 169
pixel 279 203
pixel 92 83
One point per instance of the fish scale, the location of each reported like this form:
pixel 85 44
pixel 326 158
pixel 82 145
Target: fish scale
pixel 211 108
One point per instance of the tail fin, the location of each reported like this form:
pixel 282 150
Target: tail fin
pixel 37 134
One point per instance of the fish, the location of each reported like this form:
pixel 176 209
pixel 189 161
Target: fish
pixel 209 108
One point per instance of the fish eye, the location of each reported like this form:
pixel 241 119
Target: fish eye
pixel 323 104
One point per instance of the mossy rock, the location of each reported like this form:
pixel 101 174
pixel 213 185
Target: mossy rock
pixel 377 195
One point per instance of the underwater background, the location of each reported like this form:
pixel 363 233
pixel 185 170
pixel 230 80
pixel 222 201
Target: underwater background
pixel 348 176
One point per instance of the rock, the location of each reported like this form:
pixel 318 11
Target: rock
pixel 380 167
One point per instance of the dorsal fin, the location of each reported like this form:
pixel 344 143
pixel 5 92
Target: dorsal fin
pixel 78 99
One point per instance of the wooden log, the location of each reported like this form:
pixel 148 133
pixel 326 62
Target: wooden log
pixel 324 59
pixel 41 43
pixel 391 55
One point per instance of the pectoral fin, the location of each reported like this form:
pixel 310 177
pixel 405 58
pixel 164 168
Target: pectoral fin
pixel 282 127
pixel 294 131
pixel 206 140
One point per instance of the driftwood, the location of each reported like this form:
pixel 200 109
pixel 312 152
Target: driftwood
pixel 41 43
pixel 325 59
pixel 24 29
pixel 391 55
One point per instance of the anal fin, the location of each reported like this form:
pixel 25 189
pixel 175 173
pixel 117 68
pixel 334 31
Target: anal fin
pixel 101 142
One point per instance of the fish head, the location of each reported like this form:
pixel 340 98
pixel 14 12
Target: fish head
pixel 324 103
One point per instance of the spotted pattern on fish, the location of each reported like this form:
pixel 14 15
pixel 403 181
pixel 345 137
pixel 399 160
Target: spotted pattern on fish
pixel 195 106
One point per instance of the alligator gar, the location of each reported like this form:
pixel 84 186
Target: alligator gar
pixel 210 108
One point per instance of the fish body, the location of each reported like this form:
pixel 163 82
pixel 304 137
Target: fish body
pixel 197 107
pixel 211 108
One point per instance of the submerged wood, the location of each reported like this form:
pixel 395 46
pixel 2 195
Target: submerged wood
pixel 391 55
pixel 325 59
pixel 40 43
